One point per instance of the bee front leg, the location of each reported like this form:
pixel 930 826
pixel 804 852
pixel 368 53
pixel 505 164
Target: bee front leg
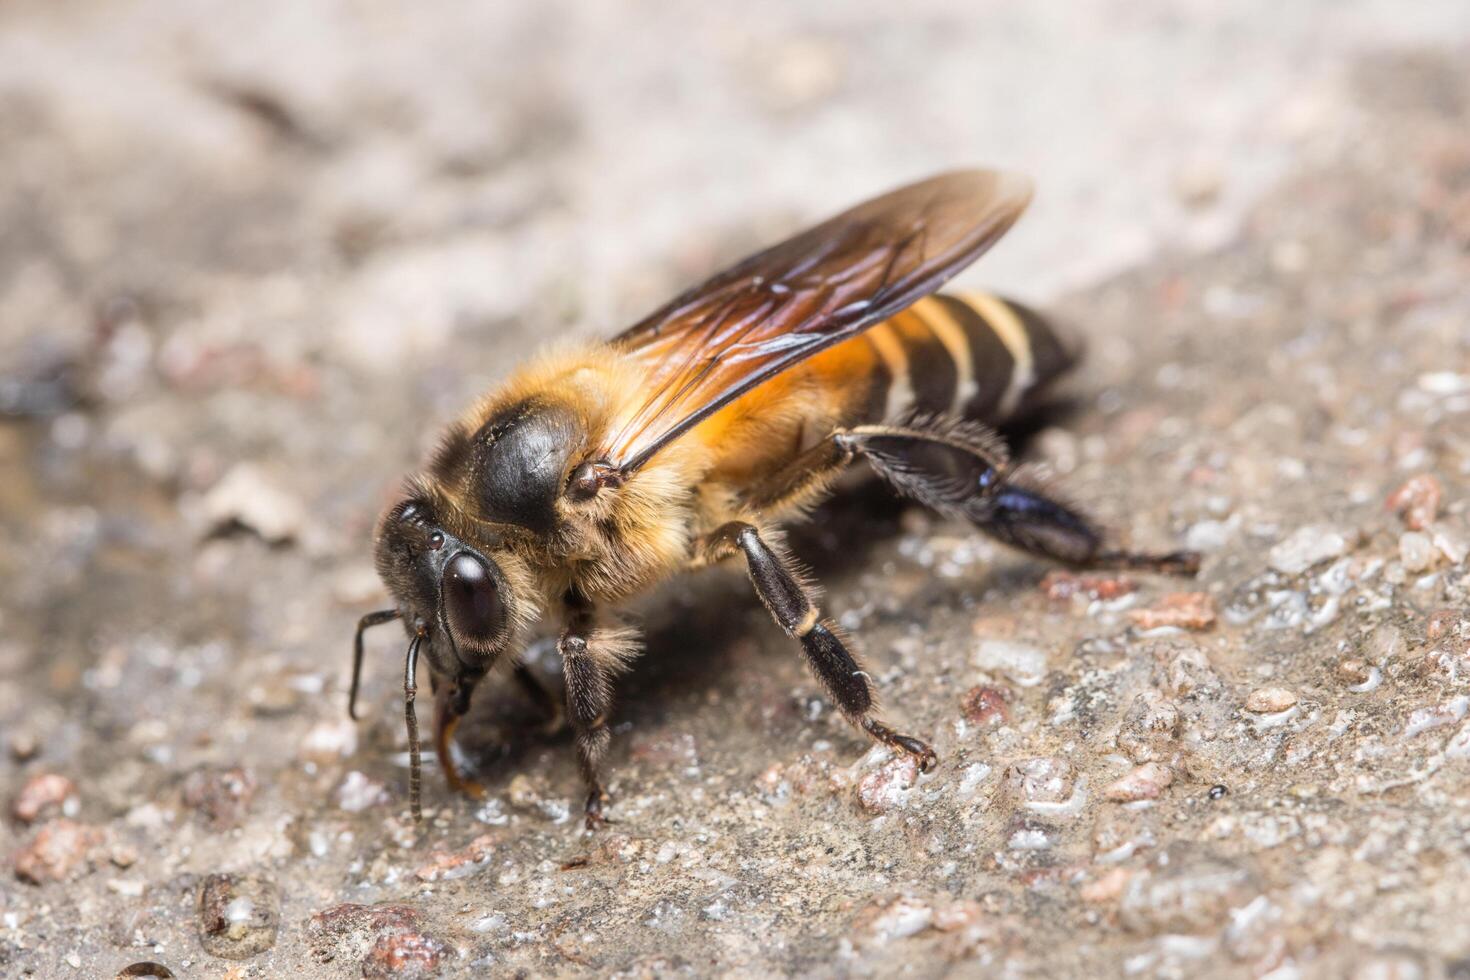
pixel 592 656
pixel 790 602
pixel 452 703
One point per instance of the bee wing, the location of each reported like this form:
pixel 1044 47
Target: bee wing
pixel 780 306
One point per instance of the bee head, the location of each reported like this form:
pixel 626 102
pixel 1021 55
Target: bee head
pixel 446 587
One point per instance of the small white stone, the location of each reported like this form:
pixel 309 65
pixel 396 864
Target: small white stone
pixel 1046 779
pixel 1147 782
pixel 1451 542
pixel 904 917
pixel 1270 700
pixel 1458 747
pixel 1416 551
pixel 359 791
pixel 1208 535
pixel 1444 383
pixel 247 496
pixel 1306 547
pixel 1023 664
pixel 327 740
pixel 1436 716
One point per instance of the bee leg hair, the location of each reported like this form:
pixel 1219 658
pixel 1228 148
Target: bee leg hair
pixel 791 604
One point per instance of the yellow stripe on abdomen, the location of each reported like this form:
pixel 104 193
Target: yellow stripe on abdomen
pixel 886 341
pixel 974 356
pixel 1008 326
pixel 935 315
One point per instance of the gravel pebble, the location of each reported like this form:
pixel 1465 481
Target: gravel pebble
pixel 888 787
pixel 328 741
pixel 880 923
pixel 1107 887
pixel 1044 779
pixel 221 796
pixel 1270 700
pixel 985 705
pixel 1306 547
pixel 360 791
pixel 1150 728
pixel 1453 542
pixel 23 745
pixel 42 792
pixel 403 954
pixel 1186 890
pixel 1417 551
pixel 349 930
pixel 1022 663
pixel 145 970
pixel 248 497
pixel 58 849
pixel 239 915
pixel 1183 610
pixel 1417 501
pixel 458 864
pixel 1436 716
pixel 1062 585
pixel 1147 782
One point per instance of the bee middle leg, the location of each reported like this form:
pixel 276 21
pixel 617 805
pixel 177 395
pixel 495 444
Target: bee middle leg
pixel 791 604
pixel 592 656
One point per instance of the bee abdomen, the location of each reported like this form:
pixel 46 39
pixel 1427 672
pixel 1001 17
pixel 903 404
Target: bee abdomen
pixel 972 355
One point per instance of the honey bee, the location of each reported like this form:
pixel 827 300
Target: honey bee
pixel 600 470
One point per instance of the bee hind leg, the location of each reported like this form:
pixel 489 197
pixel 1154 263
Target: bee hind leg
pixel 960 469
pixel 780 587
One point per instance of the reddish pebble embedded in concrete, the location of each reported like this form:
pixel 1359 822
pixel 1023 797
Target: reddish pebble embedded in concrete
pixel 1063 585
pixel 1108 887
pixel 457 864
pixel 41 792
pixel 221 796
pixel 1417 501
pixel 986 705
pixel 1184 610
pixel 1270 700
pixel 58 849
pixel 403 954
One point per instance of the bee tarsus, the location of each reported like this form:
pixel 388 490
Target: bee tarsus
pixel 410 718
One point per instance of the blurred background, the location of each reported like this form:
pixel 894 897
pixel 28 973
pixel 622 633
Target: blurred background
pixel 252 255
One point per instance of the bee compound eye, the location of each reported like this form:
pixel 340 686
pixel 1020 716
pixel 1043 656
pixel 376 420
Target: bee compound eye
pixel 472 599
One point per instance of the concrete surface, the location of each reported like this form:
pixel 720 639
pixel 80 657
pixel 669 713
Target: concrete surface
pixel 252 255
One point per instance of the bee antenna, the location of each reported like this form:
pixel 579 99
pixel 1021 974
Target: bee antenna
pixel 363 625
pixel 410 690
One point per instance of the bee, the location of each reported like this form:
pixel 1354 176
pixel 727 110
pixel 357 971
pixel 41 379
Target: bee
pixel 600 470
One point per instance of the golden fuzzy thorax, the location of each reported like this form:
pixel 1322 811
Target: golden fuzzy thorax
pixel 629 538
